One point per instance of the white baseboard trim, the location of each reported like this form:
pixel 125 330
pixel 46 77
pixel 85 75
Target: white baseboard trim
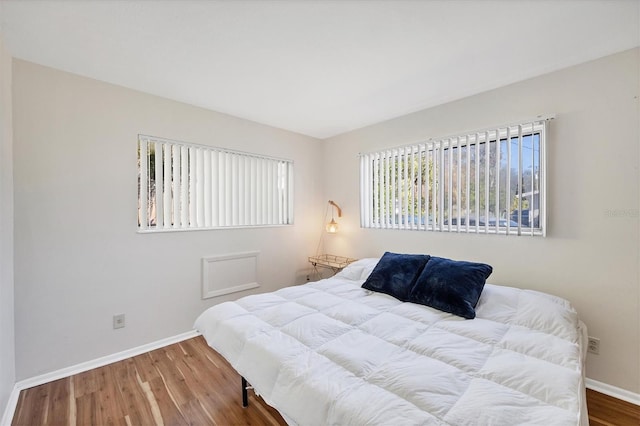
pixel 85 366
pixel 11 406
pixel 613 391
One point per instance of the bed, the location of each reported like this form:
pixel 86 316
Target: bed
pixel 331 352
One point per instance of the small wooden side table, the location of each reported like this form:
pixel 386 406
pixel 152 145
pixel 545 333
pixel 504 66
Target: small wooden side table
pixel 330 261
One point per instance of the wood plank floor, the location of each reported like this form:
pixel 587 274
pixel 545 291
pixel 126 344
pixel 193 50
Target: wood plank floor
pixel 607 411
pixel 188 383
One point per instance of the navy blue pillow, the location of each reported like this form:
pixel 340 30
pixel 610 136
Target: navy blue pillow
pixel 451 286
pixel 395 274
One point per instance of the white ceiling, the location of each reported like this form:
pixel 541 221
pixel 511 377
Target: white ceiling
pixel 316 67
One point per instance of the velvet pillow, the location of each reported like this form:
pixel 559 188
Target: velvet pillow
pixel 395 274
pixel 451 286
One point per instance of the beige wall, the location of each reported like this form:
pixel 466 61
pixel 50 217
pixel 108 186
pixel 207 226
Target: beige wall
pixel 589 256
pixel 78 258
pixel 7 345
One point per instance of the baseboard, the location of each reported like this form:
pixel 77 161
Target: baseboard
pixel 85 366
pixel 613 391
pixel 11 406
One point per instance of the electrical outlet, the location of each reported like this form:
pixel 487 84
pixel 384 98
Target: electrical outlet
pixel 118 321
pixel 594 345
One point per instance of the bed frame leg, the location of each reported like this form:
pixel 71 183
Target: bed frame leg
pixel 245 397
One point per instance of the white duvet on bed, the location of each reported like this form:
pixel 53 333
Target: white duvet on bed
pixel 333 353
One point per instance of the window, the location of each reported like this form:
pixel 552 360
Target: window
pixel 490 181
pixel 184 186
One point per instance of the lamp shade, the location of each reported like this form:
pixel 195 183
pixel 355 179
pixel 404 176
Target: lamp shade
pixel 332 227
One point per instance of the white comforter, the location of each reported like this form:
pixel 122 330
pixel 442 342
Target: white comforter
pixel 333 353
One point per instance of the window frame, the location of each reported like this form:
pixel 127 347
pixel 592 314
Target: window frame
pixel 411 187
pixel 209 188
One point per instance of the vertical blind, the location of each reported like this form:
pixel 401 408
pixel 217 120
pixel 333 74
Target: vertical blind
pixel 187 186
pixel 489 181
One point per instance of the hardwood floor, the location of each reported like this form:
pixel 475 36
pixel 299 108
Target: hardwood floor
pixel 188 383
pixel 606 411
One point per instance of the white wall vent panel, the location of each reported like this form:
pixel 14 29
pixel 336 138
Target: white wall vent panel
pixel 229 273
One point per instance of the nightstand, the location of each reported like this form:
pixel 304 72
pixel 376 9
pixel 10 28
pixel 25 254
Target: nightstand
pixel 330 261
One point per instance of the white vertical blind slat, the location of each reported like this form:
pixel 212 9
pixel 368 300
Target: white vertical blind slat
pixel 396 188
pixel 386 195
pixel 234 189
pixel 143 181
pixel 290 186
pixel 376 191
pixel 363 192
pixel 245 190
pixel 420 213
pixel 441 190
pixel 487 160
pixel 242 189
pixel 520 180
pixel 166 190
pixel 508 177
pixel 393 167
pixel 254 190
pixel 159 185
pixel 272 192
pixel 468 182
pixel 450 185
pixel 381 192
pixel 282 200
pixel 228 190
pixel 206 188
pixel 175 178
pixel 458 184
pixel 258 200
pixel 281 194
pixel 435 197
pixel 184 187
pixel 497 175
pixel 533 172
pixel 543 180
pixel 412 193
pixel 192 188
pixel 427 173
pixel 284 193
pixel 477 183
pixel 222 184
pixel 215 196
pixel 407 184
pixel 265 193
pixel 276 192
pixel 199 188
pixel 369 209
